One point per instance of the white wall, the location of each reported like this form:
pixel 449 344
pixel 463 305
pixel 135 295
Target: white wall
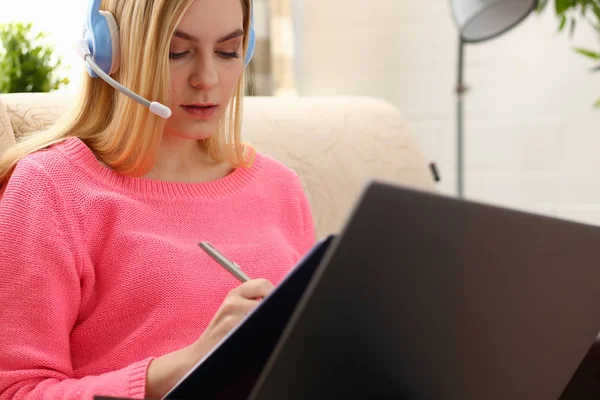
pixel 532 138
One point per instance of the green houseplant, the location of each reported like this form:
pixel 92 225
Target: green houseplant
pixel 26 61
pixel 572 12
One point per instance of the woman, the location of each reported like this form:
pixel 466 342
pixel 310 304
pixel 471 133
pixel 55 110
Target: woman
pixel 103 288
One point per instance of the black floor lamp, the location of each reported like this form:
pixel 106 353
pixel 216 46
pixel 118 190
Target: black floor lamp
pixel 478 21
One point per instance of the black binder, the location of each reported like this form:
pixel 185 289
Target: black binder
pixel 232 368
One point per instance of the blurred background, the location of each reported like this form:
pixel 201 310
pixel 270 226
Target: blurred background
pixel 531 131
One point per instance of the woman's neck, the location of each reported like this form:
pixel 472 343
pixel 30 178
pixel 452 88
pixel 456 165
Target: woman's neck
pixel 183 160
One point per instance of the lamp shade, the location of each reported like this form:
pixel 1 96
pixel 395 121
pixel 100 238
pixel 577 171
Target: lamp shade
pixel 479 20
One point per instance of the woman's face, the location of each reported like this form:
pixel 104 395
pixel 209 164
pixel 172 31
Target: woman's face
pixel 206 64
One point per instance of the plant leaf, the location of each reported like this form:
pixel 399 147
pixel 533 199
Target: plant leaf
pixel 597 103
pixel 563 22
pixel 562 6
pixel 596 7
pixel 588 53
pixel 541 5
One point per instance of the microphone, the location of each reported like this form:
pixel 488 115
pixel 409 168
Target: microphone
pixel 156 108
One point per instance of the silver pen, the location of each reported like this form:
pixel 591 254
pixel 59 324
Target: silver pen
pixel 229 265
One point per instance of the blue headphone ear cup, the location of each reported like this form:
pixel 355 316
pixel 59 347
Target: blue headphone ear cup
pixel 114 41
pixel 251 46
pixel 99 37
pixel 251 37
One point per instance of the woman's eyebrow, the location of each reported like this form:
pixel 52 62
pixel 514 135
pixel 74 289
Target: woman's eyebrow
pixel 232 35
pixel 186 36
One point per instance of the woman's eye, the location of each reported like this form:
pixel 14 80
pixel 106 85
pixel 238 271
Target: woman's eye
pixel 175 56
pixel 225 54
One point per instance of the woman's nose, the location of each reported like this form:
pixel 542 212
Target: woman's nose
pixel 205 74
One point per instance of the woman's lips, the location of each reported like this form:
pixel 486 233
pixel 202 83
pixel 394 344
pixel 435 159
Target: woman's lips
pixel 200 111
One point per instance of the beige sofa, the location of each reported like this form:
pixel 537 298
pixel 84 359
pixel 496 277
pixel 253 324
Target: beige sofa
pixel 336 144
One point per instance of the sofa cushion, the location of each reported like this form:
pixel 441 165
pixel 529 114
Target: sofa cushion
pixel 33 112
pixel 337 145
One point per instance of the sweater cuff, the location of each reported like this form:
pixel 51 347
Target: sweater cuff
pixel 137 379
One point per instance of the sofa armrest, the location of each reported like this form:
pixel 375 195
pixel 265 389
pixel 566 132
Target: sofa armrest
pixel 7 135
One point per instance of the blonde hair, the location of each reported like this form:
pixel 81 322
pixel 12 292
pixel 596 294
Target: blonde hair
pixel 121 133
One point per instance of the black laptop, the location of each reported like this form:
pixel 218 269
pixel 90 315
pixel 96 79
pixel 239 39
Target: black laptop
pixel 425 296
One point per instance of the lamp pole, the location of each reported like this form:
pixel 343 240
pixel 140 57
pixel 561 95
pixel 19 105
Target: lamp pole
pixel 461 89
pixel 479 21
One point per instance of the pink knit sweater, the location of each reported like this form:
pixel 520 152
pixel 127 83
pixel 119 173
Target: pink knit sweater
pixel 100 272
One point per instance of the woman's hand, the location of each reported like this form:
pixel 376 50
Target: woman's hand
pixel 164 372
pixel 238 303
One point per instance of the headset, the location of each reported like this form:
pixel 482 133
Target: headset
pixel 99 48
